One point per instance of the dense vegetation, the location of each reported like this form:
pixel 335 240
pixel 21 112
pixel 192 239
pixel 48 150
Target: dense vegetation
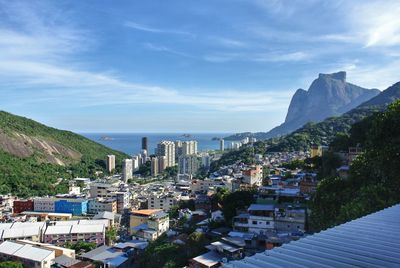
pixel 10 264
pixel 374 181
pixel 163 253
pixel 320 133
pixel 244 155
pixel 31 175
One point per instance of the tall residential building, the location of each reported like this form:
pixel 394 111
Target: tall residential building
pixel 205 160
pixel 110 162
pixel 154 166
pixel 143 155
pixel 188 164
pixel 189 147
pixel 178 149
pixel 136 163
pixel 167 149
pixel 145 144
pixel 127 169
pixel 162 163
pixel 221 144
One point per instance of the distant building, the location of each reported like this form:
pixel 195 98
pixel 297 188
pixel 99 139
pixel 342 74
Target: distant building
pixel 127 169
pixel 92 231
pixel 188 164
pixel 354 152
pixel 178 149
pixel 253 176
pixel 205 161
pixel 104 190
pixel 99 205
pixel 148 224
pixel 259 219
pixel 189 147
pixel 144 155
pixel 221 145
pixel 164 201
pixel 167 149
pixel 136 162
pixel 110 163
pixel 145 144
pixel 162 163
pixel 77 207
pixel 20 206
pixel 154 166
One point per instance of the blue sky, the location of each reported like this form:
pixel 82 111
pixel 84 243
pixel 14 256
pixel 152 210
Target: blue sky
pixel 185 65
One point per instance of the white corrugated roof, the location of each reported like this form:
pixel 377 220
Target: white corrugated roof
pixel 33 253
pixel 28 225
pixel 66 223
pixel 58 229
pixel 25 251
pixel 92 228
pixel 5 225
pixel 94 222
pixel 370 241
pixel 20 232
pixel 9 248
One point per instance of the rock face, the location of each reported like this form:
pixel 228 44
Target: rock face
pixel 329 95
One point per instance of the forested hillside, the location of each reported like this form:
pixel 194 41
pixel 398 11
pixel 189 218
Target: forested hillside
pixel 33 156
pixel 374 181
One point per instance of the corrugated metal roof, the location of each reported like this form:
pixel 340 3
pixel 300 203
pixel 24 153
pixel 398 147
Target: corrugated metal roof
pixel 370 241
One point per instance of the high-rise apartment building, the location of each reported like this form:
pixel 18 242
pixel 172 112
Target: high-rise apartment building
pixel 145 144
pixel 167 149
pixel 189 147
pixel 110 163
pixel 178 149
pixel 154 166
pixel 144 156
pixel 221 144
pixel 189 164
pixel 162 163
pixel 127 169
pixel 136 162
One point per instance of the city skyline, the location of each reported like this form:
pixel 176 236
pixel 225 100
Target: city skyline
pixel 214 66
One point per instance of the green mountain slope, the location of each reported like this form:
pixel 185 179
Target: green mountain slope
pixel 324 132
pixel 33 156
pixel 373 182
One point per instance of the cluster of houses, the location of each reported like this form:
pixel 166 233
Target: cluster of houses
pixel 140 213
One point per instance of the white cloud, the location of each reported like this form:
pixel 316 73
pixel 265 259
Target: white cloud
pixel 145 28
pixel 42 59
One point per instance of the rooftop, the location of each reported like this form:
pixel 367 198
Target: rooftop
pixel 208 259
pixel 261 207
pixel 370 241
pixel 25 251
pixel 145 212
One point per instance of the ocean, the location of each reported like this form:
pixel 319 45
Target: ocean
pixel 131 143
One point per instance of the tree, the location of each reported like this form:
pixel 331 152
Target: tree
pixel 234 201
pixel 373 183
pixel 111 235
pixel 171 172
pixel 195 244
pixel 10 264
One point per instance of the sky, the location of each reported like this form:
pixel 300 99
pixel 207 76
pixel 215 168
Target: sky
pixel 185 65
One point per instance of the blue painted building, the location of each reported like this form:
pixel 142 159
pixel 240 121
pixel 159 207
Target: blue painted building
pixel 77 207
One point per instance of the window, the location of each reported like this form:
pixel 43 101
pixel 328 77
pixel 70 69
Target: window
pixel 267 223
pixel 255 222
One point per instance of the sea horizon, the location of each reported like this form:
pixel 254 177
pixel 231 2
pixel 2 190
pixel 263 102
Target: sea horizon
pixel 131 142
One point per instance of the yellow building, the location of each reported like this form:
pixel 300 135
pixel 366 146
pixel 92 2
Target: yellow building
pixel 148 224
